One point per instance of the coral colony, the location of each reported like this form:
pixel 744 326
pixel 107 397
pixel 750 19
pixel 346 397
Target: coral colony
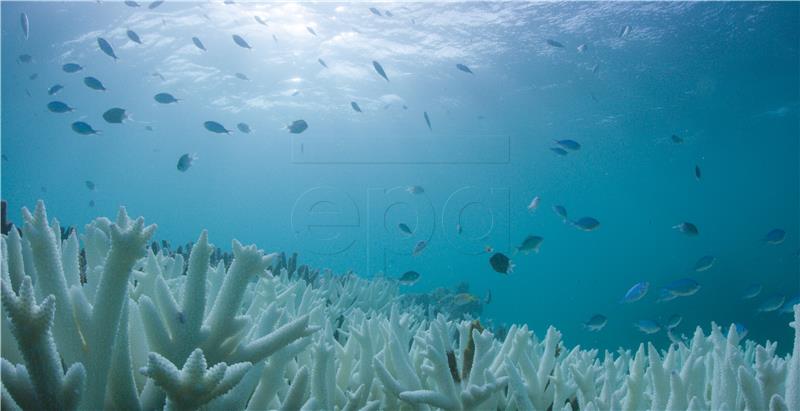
pixel 101 321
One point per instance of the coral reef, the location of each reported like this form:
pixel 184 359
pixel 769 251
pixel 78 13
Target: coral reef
pixel 105 322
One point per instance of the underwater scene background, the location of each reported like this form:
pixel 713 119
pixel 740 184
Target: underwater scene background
pixel 650 91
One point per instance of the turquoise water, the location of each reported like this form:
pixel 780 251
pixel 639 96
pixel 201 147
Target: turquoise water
pixel 721 76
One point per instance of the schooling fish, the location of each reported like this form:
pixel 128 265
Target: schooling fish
pixel 83 128
pixel 310 30
pixel 530 243
pixel 419 247
pixel 596 323
pixel 322 62
pixel 625 31
pixel 683 287
pixel 241 42
pixel 25 58
pixel 404 228
pixel 59 107
pixel 131 3
pixel 415 190
pixel 561 211
pixel 115 115
pixel 155 4
pixel 186 161
pixel 752 291
pixel 687 228
pixel 788 306
pixel 569 144
pixel 534 204
pixel 704 263
pixel 355 106
pixel 26 25
pixel 427 120
pixel 501 264
pixel 464 68
pixel 243 127
pixel 558 150
pixel 775 236
pixel 297 126
pixel 636 293
pixel 388 13
pixel 260 21
pixel 582 48
pixel 697 172
pixel 677 139
pixel 90 184
pixel 379 69
pixel 165 98
pixel 134 37
pixel 464 299
pixel 55 89
pixel 94 83
pixel 91 203
pixel 409 278
pixel 586 223
pixel 215 127
pixel 241 76
pixel 665 295
pixel 673 321
pixel 647 326
pixel 554 43
pixel 772 304
pixel 375 11
pixel 71 68
pixel 741 330
pixel 198 43
pixel 105 47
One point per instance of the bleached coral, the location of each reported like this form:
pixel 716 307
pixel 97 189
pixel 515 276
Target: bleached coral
pixel 138 328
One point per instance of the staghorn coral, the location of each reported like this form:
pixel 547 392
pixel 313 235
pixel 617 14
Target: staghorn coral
pixel 298 338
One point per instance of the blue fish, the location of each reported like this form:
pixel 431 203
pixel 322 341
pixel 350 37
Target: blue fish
pixel 788 306
pixel 59 107
pixel 586 223
pixel 310 30
pixel 198 43
pixel 155 4
pixel 260 21
pixel 741 330
pixel 186 161
pixel 687 228
pixel 105 47
pixel 375 11
pixel 83 128
pixel 775 236
pixel 596 323
pixel 558 150
pixel 355 106
pixel 674 320
pixel 427 120
pixel 647 326
pixel 752 291
pixel 115 115
pixel 244 128
pixel 131 3
pixel 665 295
pixel 165 98
pixel 464 68
pixel 704 263
pixel 25 58
pixel 297 126
pixel 569 144
pixel 321 61
pixel 683 287
pixel 241 76
pixel 94 83
pixel 241 42
pixel 55 89
pixel 134 37
pixel 71 68
pixel 379 69
pixel 561 211
pixel 215 127
pixel 554 43
pixel 636 293
pixel 772 304
pixel 26 25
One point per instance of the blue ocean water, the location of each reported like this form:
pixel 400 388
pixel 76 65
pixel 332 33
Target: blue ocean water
pixel 723 77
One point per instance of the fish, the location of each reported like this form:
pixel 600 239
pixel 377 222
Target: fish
pixel 788 306
pixel 677 139
pixel 274 38
pixel 534 204
pixel 409 278
pixel 571 145
pixel 741 330
pixel 415 190
pixel 488 299
pixel 71 68
pixel 242 76
pixel 131 3
pixel 558 150
pixel 697 172
pixel 665 295
pixel 586 223
pixel 241 42
pixel 106 48
pixel 636 292
pixel 34 76
pixel 148 128
pixel 596 68
pixel 54 89
pixel 582 48
pixel 561 211
pixel 355 106
pixel 752 291
pixel 464 299
pixel 388 13
pixel 673 321
pixel 83 128
pixel 199 44
pixel 596 323
pixel 427 120
pixel 464 68
pixel 260 21
pixel 404 228
pixel 674 338
pixel 419 247
pixel 683 287
pixel 215 127
pixel 5 157
pixel 379 69
pixel 647 326
pixel 624 31
pixel 459 229
pixel 375 11
pixel 155 4
pixel 91 203
pixel 90 184
pixel 115 115
pixel 704 263
pixel 310 30
pixel 297 126
pixel 26 25
pixel 501 264
pixel 554 43
pixel 687 228
pixel 530 243
pixel 186 161
pixel 94 83
pixel 165 98
pixel 771 304
pixel 59 107
pixel 322 62
pixel 244 128
pixel 134 37
pixel 775 236
pixel 25 58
